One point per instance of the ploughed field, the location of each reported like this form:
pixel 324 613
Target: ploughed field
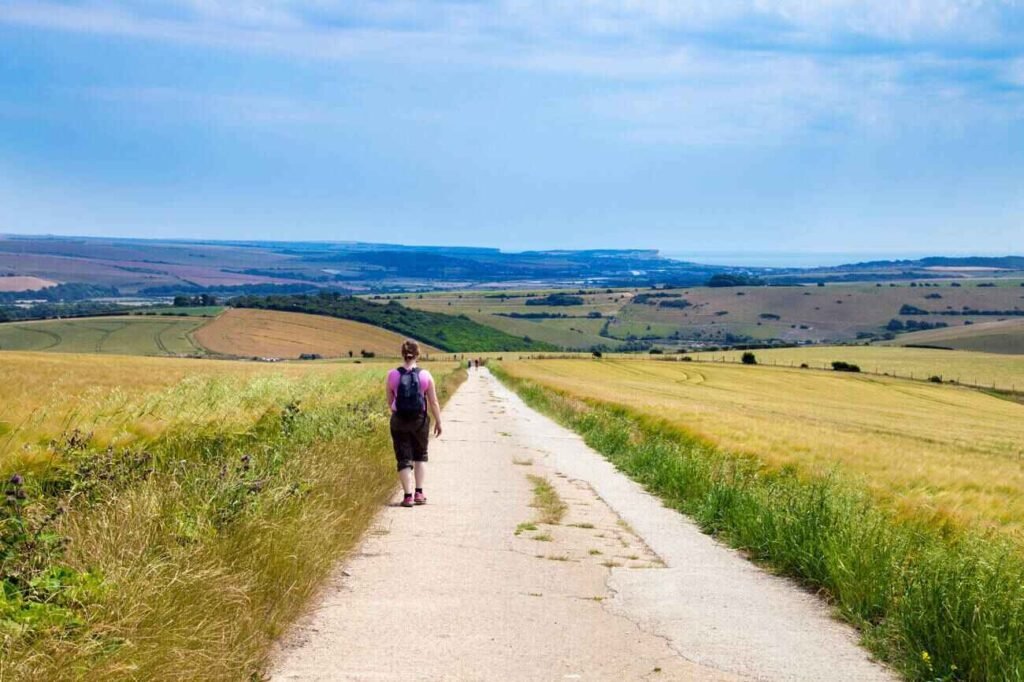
pixel 1003 372
pixel 945 452
pixel 250 332
pixel 24 283
pixel 165 519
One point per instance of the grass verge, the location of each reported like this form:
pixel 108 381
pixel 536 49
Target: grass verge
pixel 185 556
pixel 549 505
pixel 935 603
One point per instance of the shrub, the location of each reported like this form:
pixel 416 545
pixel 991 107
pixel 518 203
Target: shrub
pixel 596 353
pixel 840 366
pixel 367 353
pixel 556 299
pixel 723 280
pixel 935 379
pixel 907 309
pixel 749 358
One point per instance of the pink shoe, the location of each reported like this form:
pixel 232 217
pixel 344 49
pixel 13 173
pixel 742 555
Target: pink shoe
pixel 407 501
pixel 420 498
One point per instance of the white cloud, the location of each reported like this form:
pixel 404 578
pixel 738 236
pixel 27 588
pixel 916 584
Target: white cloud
pixel 689 71
pixel 781 23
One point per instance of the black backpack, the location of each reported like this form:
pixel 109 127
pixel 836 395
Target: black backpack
pixel 409 400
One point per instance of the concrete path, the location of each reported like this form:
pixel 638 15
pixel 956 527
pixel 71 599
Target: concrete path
pixel 622 589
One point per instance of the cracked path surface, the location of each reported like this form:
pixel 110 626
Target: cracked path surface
pixel 472 587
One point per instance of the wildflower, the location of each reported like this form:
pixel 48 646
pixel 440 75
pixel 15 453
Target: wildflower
pixel 16 479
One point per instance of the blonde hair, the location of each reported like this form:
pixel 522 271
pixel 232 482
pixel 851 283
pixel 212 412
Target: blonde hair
pixel 410 350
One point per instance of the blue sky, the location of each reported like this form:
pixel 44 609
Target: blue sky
pixel 704 126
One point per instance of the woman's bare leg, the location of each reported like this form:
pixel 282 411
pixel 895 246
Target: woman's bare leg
pixel 405 476
pixel 421 473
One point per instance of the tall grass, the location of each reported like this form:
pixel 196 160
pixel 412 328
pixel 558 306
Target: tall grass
pixel 185 556
pixel 936 603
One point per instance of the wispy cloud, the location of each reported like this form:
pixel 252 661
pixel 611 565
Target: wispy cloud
pixel 709 70
pixel 342 29
pixel 230 109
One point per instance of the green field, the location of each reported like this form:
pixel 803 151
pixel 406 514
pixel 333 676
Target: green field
pixel 134 335
pixel 576 332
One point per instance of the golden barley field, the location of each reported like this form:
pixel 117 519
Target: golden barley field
pixel 119 398
pixel 245 332
pixel 1001 371
pixel 950 452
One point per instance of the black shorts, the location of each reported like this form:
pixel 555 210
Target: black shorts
pixel 410 436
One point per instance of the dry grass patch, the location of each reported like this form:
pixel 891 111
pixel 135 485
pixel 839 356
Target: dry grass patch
pixel 546 500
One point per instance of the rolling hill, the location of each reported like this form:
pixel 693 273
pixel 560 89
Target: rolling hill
pixel 453 333
pixel 1004 336
pixel 248 332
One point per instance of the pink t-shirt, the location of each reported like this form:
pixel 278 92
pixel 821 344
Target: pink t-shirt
pixel 426 382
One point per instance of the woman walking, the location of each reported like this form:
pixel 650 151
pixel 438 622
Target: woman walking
pixel 411 395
